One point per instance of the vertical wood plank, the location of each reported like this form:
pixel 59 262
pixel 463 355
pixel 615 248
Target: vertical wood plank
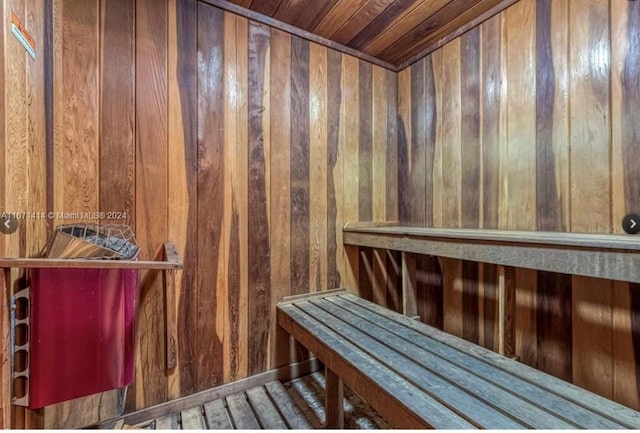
pixel 591 187
pixel 491 64
pixel 182 163
pixel 349 133
pixel 5 401
pixel 334 168
pixel 625 51
pixel 447 199
pixel 553 303
pixel 231 219
pixel 392 192
pixel 210 154
pixel 241 188
pixel 470 155
pixel 117 168
pixel 380 114
pixel 151 193
pixel 280 212
pixel 520 159
pixel 259 247
pixel 299 165
pixel 76 147
pixel 418 173
pixel 404 139
pixel 318 160
pixel 365 174
pixel 117 109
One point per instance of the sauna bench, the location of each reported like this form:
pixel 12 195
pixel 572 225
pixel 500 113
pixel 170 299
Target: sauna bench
pixel 417 376
pixel 613 257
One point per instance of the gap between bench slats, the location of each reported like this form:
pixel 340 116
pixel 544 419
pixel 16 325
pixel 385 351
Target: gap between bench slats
pixel 524 379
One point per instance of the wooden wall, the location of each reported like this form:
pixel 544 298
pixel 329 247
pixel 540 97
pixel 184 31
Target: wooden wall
pixel 246 146
pixel 530 122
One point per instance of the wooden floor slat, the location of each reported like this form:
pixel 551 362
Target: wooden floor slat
pixel 241 413
pixel 193 419
pixel 296 404
pixel 266 412
pixel 290 412
pixel 217 416
pixel 168 422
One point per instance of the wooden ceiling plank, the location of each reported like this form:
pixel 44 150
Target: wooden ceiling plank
pixel 363 17
pixel 314 14
pixel 243 3
pixel 341 12
pixel 265 7
pixel 444 18
pixel 272 22
pixel 409 19
pixel 441 38
pixel 289 11
pixel 381 23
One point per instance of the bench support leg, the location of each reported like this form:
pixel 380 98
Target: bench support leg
pixel 409 285
pixel 334 396
pixel 506 310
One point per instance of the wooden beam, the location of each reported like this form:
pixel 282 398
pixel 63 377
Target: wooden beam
pixel 288 372
pixel 614 257
pixel 312 37
pixel 334 396
pixel 506 308
pixel 173 261
pixel 409 285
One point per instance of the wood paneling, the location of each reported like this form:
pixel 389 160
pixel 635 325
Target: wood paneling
pixel 395 31
pixel 239 142
pixel 557 113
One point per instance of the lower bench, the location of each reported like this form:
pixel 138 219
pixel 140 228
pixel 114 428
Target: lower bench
pixel 417 376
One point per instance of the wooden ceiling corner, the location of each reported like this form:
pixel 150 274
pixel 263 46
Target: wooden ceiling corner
pixel 394 32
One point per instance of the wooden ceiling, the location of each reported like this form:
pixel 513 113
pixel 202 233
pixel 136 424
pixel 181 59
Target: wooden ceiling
pixel 395 31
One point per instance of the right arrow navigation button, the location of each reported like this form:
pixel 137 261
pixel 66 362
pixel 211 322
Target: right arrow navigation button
pixel 631 224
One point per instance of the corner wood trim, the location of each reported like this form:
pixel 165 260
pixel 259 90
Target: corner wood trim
pixel 288 372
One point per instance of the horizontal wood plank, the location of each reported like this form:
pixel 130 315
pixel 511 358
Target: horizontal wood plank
pixel 520 377
pixel 446 359
pixel 613 257
pixel 172 261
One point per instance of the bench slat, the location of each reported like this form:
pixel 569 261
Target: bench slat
pixel 438 388
pixel 522 389
pixel 463 381
pixel 561 397
pixel 398 400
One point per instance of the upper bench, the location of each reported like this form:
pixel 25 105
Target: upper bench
pixel 614 257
